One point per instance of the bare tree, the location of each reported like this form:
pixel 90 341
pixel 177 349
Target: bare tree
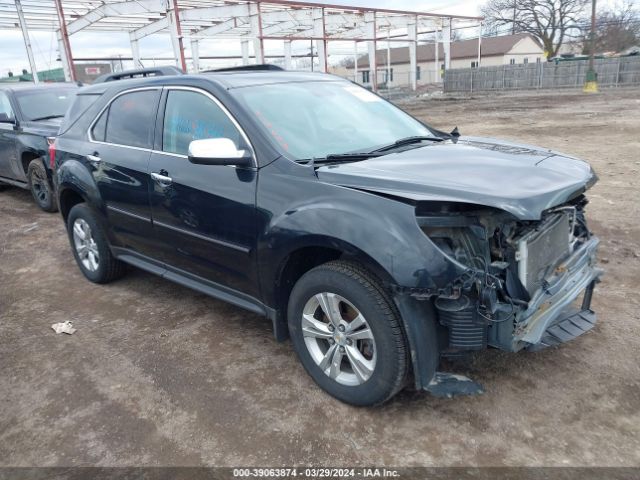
pixel 551 21
pixel 347 62
pixel 617 28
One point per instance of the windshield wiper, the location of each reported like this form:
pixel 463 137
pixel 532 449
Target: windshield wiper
pixel 341 157
pixel 408 141
pixel 48 117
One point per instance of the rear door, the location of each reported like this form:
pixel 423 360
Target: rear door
pixel 7 137
pixel 120 144
pixel 204 215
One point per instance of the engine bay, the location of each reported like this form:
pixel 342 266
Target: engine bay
pixel 507 263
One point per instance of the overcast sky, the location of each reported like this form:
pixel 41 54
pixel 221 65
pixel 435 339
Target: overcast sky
pixel 86 44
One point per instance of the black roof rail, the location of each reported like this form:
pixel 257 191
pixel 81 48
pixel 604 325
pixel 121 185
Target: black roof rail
pixel 249 68
pixel 140 73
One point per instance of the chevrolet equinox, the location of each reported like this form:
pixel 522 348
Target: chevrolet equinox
pixel 377 243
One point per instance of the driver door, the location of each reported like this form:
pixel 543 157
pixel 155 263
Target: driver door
pixel 8 154
pixel 204 215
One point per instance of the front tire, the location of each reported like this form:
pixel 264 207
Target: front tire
pixel 90 246
pixel 347 333
pixel 40 186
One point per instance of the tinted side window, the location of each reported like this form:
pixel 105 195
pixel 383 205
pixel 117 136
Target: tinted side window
pixel 131 119
pixel 194 116
pixel 100 128
pixel 6 112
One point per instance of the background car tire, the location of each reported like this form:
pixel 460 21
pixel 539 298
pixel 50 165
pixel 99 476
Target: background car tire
pixel 40 186
pixel 361 289
pixel 107 267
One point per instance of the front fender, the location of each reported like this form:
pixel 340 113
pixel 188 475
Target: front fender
pixel 299 210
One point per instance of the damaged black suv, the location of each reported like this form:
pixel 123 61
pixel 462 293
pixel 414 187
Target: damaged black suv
pixel 378 244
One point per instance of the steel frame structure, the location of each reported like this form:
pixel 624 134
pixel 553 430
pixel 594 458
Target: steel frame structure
pixel 250 21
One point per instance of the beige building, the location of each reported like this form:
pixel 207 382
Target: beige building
pixel 503 50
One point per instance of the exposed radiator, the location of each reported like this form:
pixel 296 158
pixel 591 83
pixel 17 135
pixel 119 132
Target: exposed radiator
pixel 540 250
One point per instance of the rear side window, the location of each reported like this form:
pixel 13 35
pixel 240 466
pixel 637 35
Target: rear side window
pixel 100 128
pixel 130 119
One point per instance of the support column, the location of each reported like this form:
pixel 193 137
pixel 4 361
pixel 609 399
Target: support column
pixel 446 43
pixel 321 39
pixel 256 32
pixel 64 45
pixel 287 54
pixel 437 77
pixel 63 57
pixel 479 43
pixel 135 51
pixel 372 45
pixel 176 35
pixel 412 34
pixel 27 41
pixel 388 75
pixel 355 61
pixel 195 54
pixel 244 46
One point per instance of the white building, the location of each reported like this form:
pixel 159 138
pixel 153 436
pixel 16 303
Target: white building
pixel 502 50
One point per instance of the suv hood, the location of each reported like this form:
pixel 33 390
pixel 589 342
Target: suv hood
pixel 520 179
pixel 46 128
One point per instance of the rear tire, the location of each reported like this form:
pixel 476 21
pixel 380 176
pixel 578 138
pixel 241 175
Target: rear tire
pixel 90 246
pixel 358 352
pixel 40 186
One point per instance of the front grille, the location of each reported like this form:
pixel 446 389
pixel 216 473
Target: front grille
pixel 540 250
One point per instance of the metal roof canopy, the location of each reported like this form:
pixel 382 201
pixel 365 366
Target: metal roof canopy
pixel 252 22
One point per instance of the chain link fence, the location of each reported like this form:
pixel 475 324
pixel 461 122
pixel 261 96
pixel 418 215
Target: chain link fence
pixel 612 72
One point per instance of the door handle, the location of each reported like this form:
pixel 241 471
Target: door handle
pixel 94 158
pixel 163 180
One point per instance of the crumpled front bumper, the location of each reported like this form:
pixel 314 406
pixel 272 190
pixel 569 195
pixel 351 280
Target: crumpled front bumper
pixel 550 317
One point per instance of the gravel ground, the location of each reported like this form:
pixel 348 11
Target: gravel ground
pixel 159 375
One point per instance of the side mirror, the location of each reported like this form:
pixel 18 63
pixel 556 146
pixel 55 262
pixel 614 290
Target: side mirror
pixel 218 151
pixel 4 118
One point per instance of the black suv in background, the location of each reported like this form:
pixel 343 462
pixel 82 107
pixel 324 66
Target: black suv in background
pixel 377 243
pixel 29 114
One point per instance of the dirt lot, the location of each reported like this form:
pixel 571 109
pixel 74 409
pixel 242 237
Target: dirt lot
pixel 159 375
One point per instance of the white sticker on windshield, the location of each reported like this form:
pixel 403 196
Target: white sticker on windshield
pixel 363 94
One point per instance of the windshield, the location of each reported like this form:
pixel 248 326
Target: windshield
pixel 316 119
pixel 42 103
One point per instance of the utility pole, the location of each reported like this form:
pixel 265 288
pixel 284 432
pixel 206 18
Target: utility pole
pixel 591 81
pixel 513 25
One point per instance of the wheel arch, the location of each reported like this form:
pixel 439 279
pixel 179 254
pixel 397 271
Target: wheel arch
pixel 75 182
pixel 28 156
pixel 305 255
pixel 418 318
pixel 69 197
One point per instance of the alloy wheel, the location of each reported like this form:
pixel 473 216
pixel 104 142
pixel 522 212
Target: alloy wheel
pixel 339 339
pixel 85 245
pixel 40 187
